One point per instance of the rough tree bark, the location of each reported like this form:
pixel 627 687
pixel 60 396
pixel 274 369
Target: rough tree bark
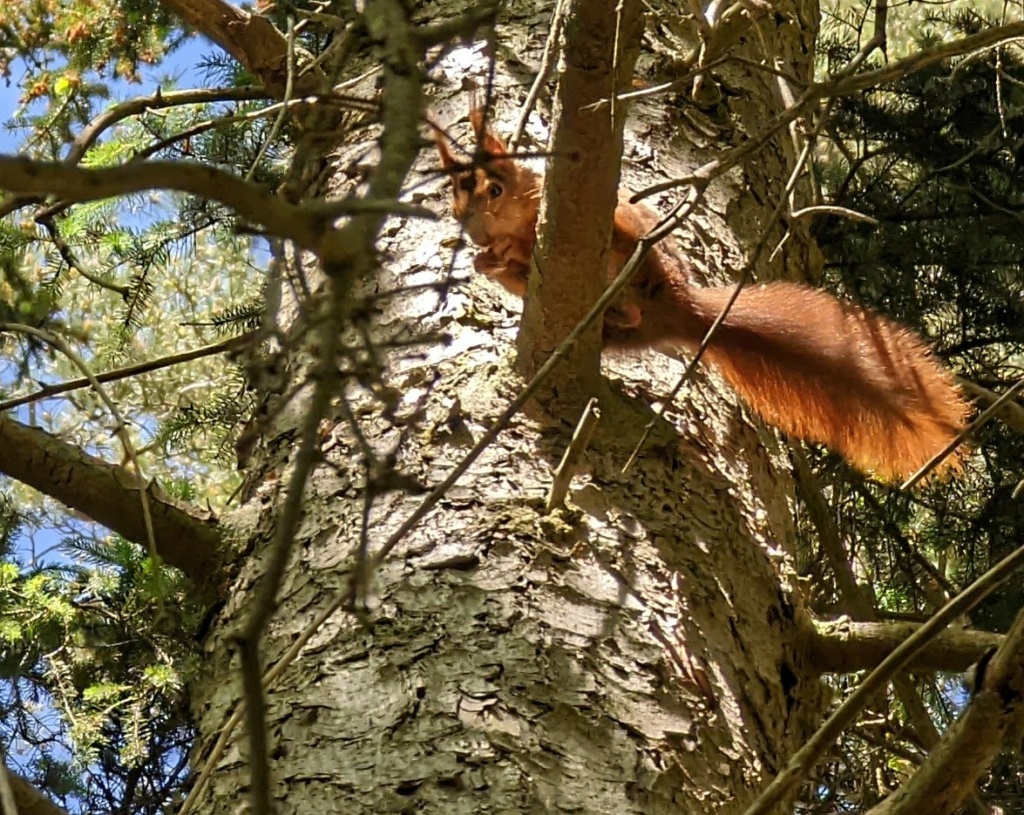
pixel 646 649
pixel 637 653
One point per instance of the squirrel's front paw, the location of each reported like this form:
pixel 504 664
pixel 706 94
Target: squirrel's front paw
pixel 623 316
pixel 488 263
pixel 510 274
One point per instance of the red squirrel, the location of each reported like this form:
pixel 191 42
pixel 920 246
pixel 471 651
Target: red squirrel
pixel 811 365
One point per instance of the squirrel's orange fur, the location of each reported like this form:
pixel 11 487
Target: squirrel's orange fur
pixel 813 366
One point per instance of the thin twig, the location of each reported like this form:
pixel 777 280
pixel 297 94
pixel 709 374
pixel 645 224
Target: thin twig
pixel 1011 414
pixel 235 718
pixel 879 38
pixel 567 466
pixel 235 118
pixel 161 99
pixel 684 377
pixel 68 256
pixel 547 62
pixel 250 201
pixel 832 209
pixel 346 254
pixel 305 459
pixel 289 85
pixel 985 415
pixel 263 603
pixel 134 107
pixel 233 344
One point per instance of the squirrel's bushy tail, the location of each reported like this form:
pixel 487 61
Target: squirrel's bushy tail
pixel 835 373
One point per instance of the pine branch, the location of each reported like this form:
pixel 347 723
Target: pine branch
pixel 306 225
pixel 232 345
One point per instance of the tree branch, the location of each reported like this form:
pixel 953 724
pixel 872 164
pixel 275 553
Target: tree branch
pixel 602 41
pixel 831 541
pixel 251 201
pixel 28 799
pixel 843 646
pixel 251 39
pixel 844 85
pixel 808 756
pixel 159 100
pixel 185 537
pixel 133 107
pixel 948 774
pixel 309 225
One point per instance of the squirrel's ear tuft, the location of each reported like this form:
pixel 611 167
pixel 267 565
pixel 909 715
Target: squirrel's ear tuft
pixel 493 145
pixel 448 160
pixel 485 138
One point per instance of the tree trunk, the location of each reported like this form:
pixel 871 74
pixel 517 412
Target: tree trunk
pixel 634 653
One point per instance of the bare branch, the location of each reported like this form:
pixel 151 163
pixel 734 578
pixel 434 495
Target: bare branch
pixel 948 774
pixel 845 646
pixel 134 107
pixel 159 100
pixel 347 254
pixel 120 428
pixel 28 799
pixel 187 538
pixel 250 38
pixel 307 225
pixel 252 202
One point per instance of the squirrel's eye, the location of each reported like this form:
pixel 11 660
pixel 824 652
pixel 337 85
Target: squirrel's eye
pixel 496 190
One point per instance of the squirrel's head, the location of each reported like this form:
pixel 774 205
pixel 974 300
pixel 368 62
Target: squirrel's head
pixel 492 194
